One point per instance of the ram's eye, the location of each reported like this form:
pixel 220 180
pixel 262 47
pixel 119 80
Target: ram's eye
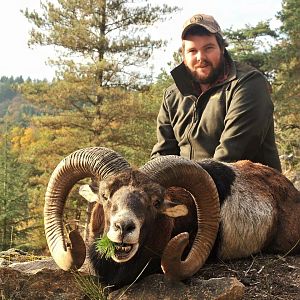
pixel 156 203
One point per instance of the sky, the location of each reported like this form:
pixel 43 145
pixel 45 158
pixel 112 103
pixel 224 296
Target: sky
pixel 16 58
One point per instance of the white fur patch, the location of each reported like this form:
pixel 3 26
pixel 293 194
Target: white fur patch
pixel 115 235
pixel 86 192
pixel 247 217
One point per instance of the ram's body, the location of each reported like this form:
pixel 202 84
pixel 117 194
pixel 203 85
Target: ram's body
pixel 260 211
pixel 239 209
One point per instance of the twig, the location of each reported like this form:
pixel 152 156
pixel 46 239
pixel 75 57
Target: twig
pixel 134 280
pixel 260 269
pixel 287 253
pixel 248 270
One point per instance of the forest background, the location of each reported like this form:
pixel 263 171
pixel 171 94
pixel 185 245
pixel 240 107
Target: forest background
pixel 102 95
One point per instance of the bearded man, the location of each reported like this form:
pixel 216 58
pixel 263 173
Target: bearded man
pixel 217 108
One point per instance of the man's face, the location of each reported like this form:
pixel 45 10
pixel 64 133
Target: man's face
pixel 203 57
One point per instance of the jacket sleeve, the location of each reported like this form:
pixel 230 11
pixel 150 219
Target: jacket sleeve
pixel 248 118
pixel 166 141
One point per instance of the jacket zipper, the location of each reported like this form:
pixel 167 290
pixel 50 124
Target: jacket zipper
pixel 193 123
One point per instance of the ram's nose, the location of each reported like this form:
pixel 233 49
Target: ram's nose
pixel 124 227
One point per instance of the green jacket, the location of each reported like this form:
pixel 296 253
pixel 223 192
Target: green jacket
pixel 231 121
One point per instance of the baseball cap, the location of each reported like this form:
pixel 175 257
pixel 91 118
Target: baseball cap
pixel 206 21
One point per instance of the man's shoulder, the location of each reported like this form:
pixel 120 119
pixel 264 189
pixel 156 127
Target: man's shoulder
pixel 171 90
pixel 243 69
pixel 249 76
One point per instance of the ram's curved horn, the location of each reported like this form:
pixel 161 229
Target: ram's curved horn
pixel 89 162
pixel 177 171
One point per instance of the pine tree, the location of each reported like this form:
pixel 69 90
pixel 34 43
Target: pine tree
pixel 252 45
pixel 14 200
pixel 105 46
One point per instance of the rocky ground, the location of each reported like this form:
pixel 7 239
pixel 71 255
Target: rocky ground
pixel 270 277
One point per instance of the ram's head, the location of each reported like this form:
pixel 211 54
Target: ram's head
pixel 132 200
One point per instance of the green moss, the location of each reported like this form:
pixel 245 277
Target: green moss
pixel 105 247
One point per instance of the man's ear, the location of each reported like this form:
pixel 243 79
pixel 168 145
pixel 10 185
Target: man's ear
pixel 88 193
pixel 173 209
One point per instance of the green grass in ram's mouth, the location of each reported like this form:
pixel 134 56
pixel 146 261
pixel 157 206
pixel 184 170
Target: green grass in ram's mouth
pixel 105 247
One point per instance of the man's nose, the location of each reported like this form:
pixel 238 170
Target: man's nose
pixel 199 55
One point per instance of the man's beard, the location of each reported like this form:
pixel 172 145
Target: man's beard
pixel 212 76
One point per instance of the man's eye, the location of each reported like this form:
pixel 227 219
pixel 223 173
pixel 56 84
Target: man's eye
pixel 104 196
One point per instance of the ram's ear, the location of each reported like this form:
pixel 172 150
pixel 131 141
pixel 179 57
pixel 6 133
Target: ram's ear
pixel 173 209
pixel 88 193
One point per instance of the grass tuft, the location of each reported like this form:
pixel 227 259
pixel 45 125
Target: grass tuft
pixel 91 287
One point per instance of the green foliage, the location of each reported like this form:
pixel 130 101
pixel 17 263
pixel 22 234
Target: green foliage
pixel 286 64
pixel 6 95
pixel 13 108
pixel 14 198
pixel 105 247
pixel 252 45
pixel 6 92
pixel 11 80
pixel 290 16
pixel 286 54
pixel 42 149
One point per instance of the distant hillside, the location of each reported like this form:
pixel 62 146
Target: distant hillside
pixel 12 105
pixel 6 96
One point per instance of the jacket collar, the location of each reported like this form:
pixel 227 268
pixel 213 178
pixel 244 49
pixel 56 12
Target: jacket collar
pixel 185 83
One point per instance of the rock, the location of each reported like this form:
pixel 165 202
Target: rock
pixel 41 279
pixel 33 267
pixel 225 288
pixel 154 288
pixel 4 262
pixel 15 255
pixel 13 251
pixel 45 284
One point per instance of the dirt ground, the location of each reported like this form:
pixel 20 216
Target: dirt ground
pixel 271 277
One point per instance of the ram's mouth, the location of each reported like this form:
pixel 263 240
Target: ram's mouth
pixel 124 252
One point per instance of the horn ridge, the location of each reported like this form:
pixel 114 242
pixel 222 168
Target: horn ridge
pixel 177 171
pixel 96 162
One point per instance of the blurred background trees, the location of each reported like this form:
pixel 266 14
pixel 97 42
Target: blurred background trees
pixel 276 53
pixel 285 56
pixel 103 95
pixel 104 47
